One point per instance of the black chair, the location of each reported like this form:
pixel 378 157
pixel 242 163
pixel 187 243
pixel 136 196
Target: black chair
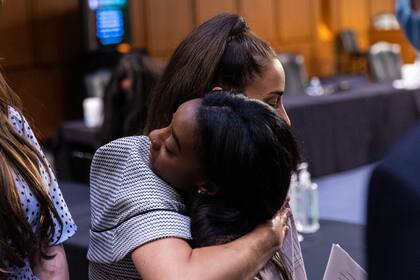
pixel 384 61
pixel 350 59
pixel 294 68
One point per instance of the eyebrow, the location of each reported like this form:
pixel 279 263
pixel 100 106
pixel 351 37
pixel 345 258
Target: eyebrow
pixel 176 139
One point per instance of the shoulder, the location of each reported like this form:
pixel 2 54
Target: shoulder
pixel 403 162
pixel 394 182
pixel 22 127
pixel 15 119
pixel 122 183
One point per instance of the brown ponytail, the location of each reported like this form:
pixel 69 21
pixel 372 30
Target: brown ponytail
pixel 220 52
pixel 191 68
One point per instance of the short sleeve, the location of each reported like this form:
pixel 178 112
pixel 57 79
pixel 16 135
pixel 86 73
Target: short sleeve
pixel 31 206
pixel 130 205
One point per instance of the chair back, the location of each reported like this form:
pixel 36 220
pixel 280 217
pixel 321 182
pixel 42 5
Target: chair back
pixel 384 61
pixel 385 21
pixel 294 68
pixel 347 42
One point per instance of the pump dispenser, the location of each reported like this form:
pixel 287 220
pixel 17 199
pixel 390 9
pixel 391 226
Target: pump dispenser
pixel 304 200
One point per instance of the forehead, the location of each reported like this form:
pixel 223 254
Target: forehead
pixel 272 79
pixel 184 122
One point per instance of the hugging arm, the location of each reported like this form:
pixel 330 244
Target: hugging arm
pixel 173 258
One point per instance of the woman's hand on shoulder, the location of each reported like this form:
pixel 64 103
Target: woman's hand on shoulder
pixel 278 225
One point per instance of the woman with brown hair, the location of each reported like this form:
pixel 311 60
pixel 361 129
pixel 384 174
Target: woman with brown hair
pixel 34 218
pixel 223 53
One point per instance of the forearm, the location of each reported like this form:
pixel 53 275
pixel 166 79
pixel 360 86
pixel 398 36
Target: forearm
pixel 174 259
pixel 52 269
pixel 240 259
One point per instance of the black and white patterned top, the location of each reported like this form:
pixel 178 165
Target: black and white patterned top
pixel 29 203
pixel 130 206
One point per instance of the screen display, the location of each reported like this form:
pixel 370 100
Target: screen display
pixel 111 21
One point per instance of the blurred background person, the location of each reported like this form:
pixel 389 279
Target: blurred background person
pixel 394 252
pixel 126 96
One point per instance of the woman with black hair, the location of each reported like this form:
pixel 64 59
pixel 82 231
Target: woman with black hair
pixel 244 154
pixel 230 156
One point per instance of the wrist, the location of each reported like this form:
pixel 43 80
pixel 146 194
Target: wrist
pixel 268 238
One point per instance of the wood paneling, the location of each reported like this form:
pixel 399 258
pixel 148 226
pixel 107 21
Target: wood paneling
pixel 56 31
pixel 43 93
pixel 260 15
pixel 205 9
pixel 15 33
pixel 138 23
pixel 295 21
pixel 354 14
pixel 380 6
pixel 168 22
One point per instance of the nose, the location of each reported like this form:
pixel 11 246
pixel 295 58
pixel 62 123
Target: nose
pixel 283 114
pixel 156 138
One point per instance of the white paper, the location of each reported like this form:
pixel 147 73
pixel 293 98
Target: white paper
pixel 342 267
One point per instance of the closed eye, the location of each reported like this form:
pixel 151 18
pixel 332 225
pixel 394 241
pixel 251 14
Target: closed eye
pixel 169 151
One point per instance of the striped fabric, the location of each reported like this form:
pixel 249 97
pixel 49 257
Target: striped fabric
pixel 130 206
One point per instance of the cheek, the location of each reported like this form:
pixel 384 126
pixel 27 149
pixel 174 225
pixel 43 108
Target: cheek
pixel 173 172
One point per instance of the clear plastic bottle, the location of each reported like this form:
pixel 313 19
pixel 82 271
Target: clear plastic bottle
pixel 304 200
pixel 293 191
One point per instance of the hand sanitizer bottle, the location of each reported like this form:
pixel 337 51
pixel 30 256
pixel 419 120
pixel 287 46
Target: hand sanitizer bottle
pixel 304 200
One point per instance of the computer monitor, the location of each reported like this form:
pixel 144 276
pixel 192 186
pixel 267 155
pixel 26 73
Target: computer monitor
pixel 106 23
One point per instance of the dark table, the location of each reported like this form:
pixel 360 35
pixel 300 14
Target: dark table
pixel 336 132
pixel 316 247
pixel 351 128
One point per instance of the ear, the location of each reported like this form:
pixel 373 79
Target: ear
pixel 208 189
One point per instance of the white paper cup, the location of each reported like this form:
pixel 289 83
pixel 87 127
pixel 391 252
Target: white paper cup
pixel 93 111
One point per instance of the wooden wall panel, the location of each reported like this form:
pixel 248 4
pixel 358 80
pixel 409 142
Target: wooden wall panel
pixel 56 31
pixel 205 9
pixel 353 14
pixel 138 23
pixel 15 33
pixel 260 15
pixel 295 21
pixel 168 22
pixel 44 93
pixel 380 6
